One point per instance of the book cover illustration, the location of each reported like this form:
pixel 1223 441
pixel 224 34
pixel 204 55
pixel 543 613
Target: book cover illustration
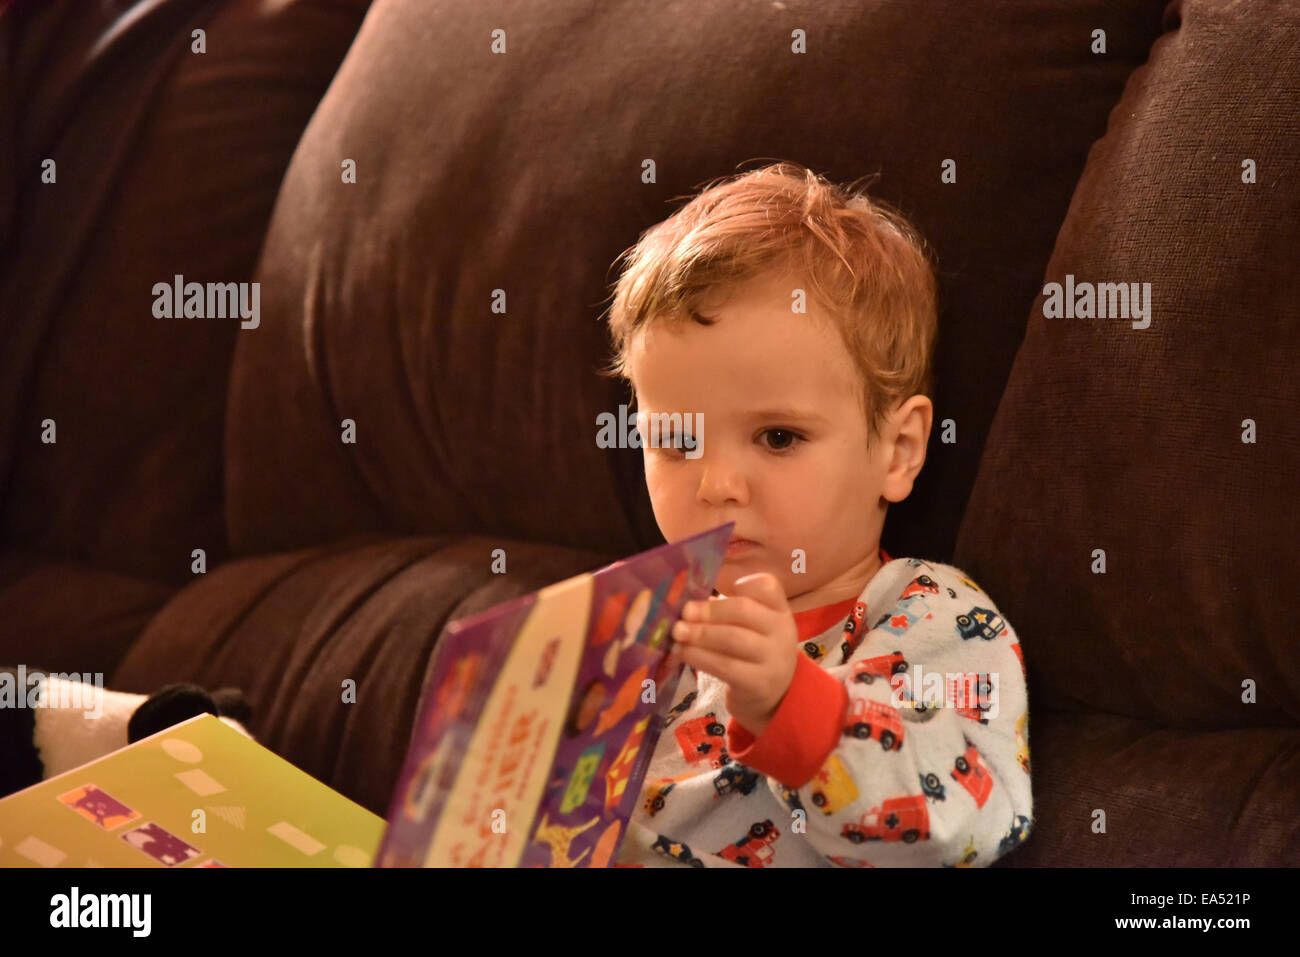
pixel 541 715
pixel 198 794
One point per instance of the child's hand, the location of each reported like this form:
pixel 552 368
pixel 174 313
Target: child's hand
pixel 748 641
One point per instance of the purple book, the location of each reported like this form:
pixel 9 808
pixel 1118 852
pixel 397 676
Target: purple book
pixel 541 716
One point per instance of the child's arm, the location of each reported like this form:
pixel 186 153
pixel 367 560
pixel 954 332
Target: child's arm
pixel 883 784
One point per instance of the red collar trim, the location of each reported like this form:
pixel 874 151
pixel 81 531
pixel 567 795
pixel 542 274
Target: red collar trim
pixel 813 621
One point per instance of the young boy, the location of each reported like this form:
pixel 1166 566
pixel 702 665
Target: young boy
pixel 839 708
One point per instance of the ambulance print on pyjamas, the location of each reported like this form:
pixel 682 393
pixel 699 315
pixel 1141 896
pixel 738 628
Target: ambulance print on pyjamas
pixel 906 777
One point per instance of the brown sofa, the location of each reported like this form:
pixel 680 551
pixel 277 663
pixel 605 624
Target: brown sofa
pixel 328 560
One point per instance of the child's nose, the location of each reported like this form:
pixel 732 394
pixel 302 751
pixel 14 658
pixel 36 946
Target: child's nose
pixel 721 483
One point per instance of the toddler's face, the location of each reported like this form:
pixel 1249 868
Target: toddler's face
pixel 784 442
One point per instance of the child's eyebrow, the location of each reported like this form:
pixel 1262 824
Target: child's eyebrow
pixel 795 414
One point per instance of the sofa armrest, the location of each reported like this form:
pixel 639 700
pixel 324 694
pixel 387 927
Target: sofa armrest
pixel 291 629
pixel 67 616
pixel 1172 797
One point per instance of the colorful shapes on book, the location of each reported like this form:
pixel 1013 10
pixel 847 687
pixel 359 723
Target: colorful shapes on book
pixel 98 807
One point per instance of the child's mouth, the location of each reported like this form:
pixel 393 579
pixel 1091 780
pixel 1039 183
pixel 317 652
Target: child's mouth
pixel 740 546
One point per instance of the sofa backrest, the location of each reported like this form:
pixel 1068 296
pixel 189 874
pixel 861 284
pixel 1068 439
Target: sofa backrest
pixel 166 162
pixel 383 391
pixel 1136 508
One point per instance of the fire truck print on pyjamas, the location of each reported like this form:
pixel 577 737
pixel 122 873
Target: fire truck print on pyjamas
pixel 921 783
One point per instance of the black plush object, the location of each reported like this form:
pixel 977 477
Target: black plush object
pixel 20 759
pixel 231 703
pixel 175 703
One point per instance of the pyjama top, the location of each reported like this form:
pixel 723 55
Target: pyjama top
pixel 903 741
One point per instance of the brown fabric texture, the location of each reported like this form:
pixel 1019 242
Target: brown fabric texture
pixel 290 629
pixel 1171 798
pixel 1131 440
pixel 522 172
pixel 168 162
pixel 65 616
pixel 331 562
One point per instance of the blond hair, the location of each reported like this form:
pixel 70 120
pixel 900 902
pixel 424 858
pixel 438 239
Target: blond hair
pixel 870 270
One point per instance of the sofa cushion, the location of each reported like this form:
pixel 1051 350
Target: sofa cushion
pixel 167 163
pixel 290 630
pixel 522 172
pixel 66 616
pixel 1172 449
pixel 1169 798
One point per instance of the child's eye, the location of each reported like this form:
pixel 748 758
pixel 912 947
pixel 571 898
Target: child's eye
pixel 674 443
pixel 788 439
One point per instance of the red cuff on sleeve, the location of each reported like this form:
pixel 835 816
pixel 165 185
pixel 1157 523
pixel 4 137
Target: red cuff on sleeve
pixel 804 731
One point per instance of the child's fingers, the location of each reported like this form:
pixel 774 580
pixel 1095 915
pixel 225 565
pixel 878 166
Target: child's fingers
pixel 730 671
pixel 741 611
pixel 732 641
pixel 765 588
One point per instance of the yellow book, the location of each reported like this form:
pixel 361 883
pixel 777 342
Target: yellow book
pixel 199 794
